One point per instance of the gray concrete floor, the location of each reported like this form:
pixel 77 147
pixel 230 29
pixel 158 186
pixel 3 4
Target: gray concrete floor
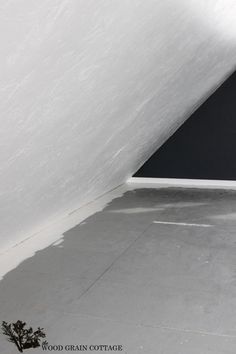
pixel 120 278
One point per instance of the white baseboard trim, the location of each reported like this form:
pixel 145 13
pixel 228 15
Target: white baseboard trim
pixel 143 182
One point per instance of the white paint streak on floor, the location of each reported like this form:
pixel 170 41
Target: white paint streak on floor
pixel 181 223
pixel 135 210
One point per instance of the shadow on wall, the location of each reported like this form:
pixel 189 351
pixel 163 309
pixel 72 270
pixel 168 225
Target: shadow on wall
pixel 204 147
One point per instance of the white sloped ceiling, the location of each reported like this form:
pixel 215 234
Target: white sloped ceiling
pixel 90 88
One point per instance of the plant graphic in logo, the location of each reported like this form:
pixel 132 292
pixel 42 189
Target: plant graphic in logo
pixel 23 338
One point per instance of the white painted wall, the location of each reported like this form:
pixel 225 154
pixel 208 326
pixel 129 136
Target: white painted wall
pixel 89 88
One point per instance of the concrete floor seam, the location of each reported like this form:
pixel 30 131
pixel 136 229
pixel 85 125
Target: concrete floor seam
pixel 116 259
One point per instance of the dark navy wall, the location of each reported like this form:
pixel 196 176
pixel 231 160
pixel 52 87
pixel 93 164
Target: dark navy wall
pixel 204 147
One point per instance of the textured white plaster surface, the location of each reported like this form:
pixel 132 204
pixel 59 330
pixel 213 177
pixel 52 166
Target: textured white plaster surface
pixel 90 88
